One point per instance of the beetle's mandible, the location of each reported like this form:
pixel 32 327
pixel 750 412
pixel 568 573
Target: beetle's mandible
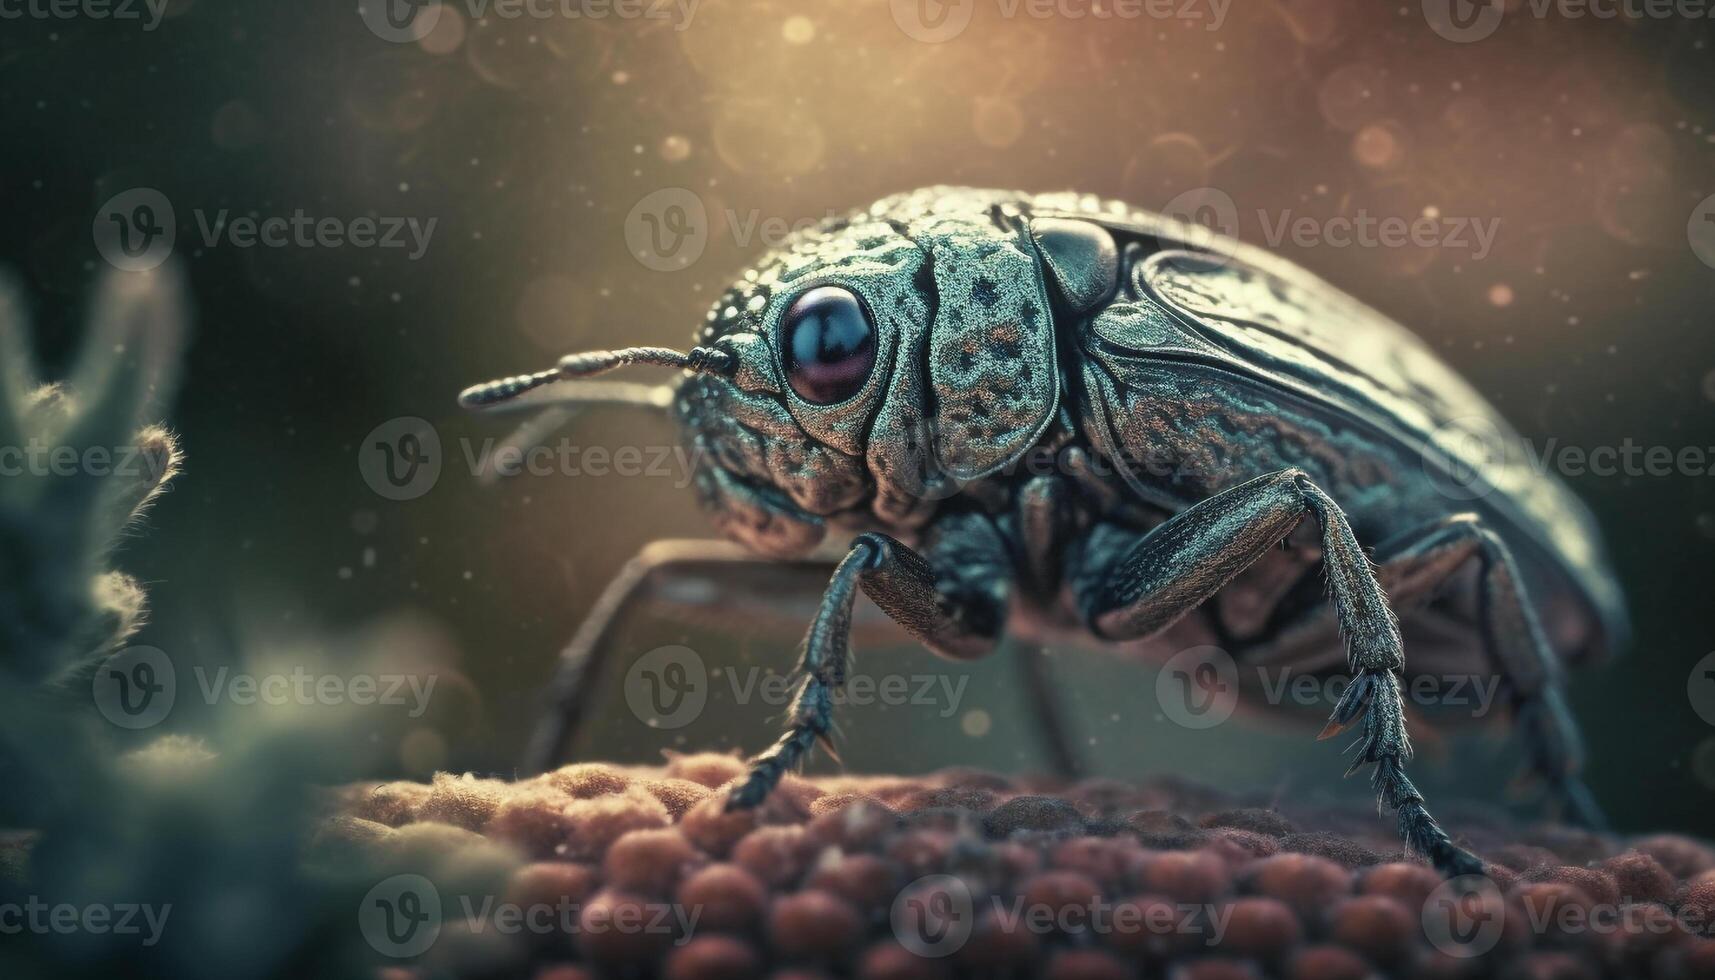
pixel 1064 418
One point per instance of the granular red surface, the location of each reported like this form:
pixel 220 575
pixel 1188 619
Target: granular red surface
pixel 639 872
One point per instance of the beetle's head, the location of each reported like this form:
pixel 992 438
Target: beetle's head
pixel 860 374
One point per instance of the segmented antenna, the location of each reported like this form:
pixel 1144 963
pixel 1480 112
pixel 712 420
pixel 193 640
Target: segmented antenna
pixel 505 389
pixel 707 359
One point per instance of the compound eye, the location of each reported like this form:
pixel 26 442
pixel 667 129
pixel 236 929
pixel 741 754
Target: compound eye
pixel 827 344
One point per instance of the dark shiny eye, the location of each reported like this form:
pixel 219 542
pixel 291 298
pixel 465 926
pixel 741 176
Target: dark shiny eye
pixel 827 344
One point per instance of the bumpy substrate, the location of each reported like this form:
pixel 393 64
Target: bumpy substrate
pixel 862 877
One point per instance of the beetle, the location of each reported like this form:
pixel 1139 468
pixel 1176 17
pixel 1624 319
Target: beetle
pixel 900 374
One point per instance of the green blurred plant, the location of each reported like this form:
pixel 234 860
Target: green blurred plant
pixel 211 832
pixel 81 464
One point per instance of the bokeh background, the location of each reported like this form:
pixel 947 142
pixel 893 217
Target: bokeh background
pixel 1587 143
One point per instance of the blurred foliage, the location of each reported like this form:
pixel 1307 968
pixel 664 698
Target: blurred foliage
pixel 189 852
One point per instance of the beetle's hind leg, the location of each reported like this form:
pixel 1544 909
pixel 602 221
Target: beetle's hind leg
pixel 1134 589
pixel 1415 563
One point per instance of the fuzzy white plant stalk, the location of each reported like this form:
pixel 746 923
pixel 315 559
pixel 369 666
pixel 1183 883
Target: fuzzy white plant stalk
pixel 80 461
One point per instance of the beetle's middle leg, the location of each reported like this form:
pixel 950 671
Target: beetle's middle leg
pixel 1134 590
pixel 953 600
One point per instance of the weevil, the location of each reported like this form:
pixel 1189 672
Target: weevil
pixel 1051 416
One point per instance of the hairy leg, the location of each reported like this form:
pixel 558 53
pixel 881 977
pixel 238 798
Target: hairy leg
pixel 1138 590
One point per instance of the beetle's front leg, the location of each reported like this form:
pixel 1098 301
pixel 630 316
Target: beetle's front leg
pixel 1137 588
pixel 956 606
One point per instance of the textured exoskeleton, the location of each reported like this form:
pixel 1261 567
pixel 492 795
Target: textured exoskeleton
pixel 1063 417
